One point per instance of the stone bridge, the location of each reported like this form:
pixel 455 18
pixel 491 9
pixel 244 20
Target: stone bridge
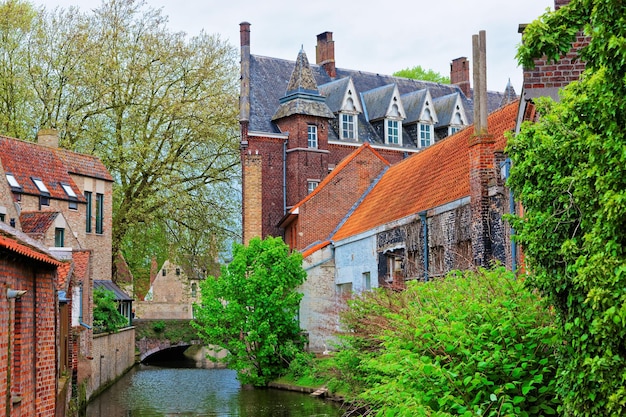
pixel 148 347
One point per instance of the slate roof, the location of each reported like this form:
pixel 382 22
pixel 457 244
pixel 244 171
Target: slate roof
pixel 413 105
pixel 111 286
pixel 435 176
pixel 445 108
pixel 269 78
pixel 377 101
pixel 27 160
pixel 37 222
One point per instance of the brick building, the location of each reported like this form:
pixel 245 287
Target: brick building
pixel 29 370
pixel 62 201
pixel 299 121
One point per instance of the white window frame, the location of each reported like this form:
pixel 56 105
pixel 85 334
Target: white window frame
pixel 312 138
pixel 68 190
pixel 348 125
pixel 423 129
pixel 396 138
pixel 311 185
pixel 13 181
pixel 41 186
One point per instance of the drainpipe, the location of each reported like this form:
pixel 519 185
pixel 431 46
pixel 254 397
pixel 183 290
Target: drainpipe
pixel 505 168
pixel 284 177
pixel 425 233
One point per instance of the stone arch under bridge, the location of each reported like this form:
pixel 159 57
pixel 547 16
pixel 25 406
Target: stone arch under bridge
pixel 148 347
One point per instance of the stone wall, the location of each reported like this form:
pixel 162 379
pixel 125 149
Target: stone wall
pixel 113 354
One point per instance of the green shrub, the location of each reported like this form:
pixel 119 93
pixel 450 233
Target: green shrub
pixel 470 344
pixel 106 317
pixel 158 326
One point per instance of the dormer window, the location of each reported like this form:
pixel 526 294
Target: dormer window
pixel 426 129
pixel 348 126
pixel 312 136
pixel 393 126
pixel 13 182
pixel 392 132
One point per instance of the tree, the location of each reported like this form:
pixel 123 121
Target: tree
pixel 419 73
pixel 251 309
pixel 568 174
pixel 158 108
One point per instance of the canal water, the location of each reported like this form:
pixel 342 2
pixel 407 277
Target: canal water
pixel 179 390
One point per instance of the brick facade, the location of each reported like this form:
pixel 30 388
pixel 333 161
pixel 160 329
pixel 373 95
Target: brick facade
pixel 28 346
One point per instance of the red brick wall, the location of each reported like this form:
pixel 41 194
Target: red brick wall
pixel 319 215
pixel 481 160
pixel 33 337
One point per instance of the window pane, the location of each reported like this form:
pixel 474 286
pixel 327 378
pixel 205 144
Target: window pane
pixel 12 181
pixel 392 131
pixel 347 126
pixel 59 237
pixel 89 211
pixel 40 185
pixel 68 190
pixel 99 213
pixel 312 136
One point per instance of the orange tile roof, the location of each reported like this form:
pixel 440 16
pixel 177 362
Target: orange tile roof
pixel 435 176
pixel 63 272
pixel 81 263
pixel 53 166
pixel 14 245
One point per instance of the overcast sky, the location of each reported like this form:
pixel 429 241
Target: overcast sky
pixel 378 36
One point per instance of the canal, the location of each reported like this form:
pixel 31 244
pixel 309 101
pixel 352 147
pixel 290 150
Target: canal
pixel 180 389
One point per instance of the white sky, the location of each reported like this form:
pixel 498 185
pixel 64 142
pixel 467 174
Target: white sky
pixel 369 35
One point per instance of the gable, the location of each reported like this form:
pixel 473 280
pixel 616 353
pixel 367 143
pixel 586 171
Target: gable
pixel 436 176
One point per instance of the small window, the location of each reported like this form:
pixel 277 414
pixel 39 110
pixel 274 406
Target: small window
pixel 73 205
pixel 2 217
pixel 177 271
pixel 59 237
pixel 348 126
pixel 367 281
pixel 425 135
pixel 454 129
pixel 12 181
pixel 194 289
pixel 344 290
pixel 41 186
pixel 312 136
pixel 312 185
pixel 164 272
pixel 393 131
pixel 68 190
pixel 44 200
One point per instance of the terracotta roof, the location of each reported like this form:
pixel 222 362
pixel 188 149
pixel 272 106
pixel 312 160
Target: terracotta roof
pixel 27 160
pixel 315 248
pixel 37 221
pixel 435 176
pixel 63 272
pixel 11 243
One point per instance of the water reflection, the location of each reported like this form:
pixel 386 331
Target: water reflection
pixel 156 391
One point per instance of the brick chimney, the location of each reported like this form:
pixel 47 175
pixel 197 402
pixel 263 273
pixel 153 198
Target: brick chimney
pixel 554 75
pixel 325 53
pixel 460 74
pixel 48 137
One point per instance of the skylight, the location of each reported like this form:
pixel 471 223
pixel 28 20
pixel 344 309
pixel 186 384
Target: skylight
pixel 41 186
pixel 12 181
pixel 68 190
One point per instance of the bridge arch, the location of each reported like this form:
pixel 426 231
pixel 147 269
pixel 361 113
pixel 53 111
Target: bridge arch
pixel 157 346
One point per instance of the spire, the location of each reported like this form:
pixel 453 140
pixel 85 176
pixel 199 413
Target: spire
pixel 509 95
pixel 302 96
pixel 302 77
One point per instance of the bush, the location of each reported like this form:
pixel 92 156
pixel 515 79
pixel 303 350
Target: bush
pixel 470 344
pixel 106 317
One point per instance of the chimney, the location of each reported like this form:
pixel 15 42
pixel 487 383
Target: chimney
pixel 48 137
pixel 460 74
pixel 560 3
pixel 325 53
pixel 244 93
pixel 480 83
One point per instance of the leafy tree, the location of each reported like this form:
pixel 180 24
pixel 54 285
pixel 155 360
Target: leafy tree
pixel 568 173
pixel 106 317
pixel 159 109
pixel 419 73
pixel 251 310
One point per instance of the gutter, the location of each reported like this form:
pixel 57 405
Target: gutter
pixel 422 215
